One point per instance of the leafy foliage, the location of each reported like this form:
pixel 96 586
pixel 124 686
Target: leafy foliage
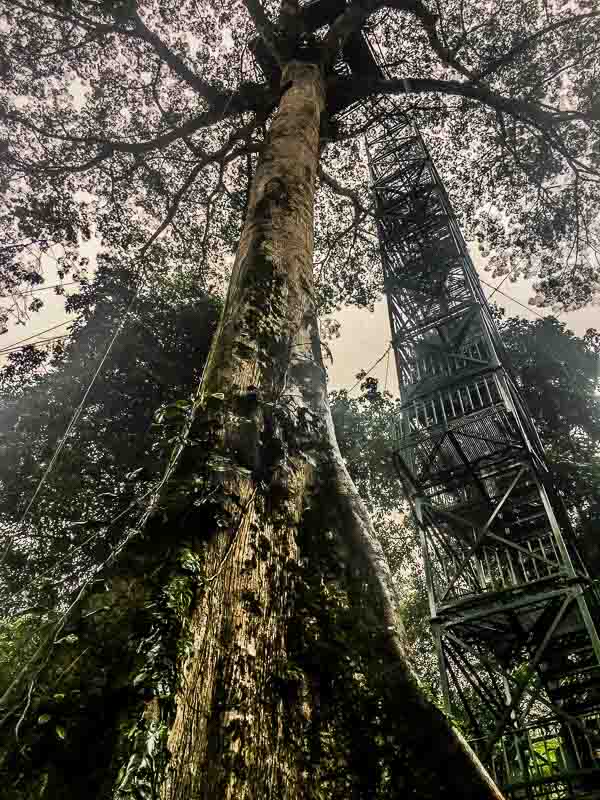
pixel 137 125
pixel 365 432
pixel 558 376
pixel 78 642
pixel 123 120
pixel 110 460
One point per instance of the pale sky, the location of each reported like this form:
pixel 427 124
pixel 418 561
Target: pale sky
pixel 364 335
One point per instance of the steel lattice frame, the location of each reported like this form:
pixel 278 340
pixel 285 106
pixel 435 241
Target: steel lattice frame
pixel 510 599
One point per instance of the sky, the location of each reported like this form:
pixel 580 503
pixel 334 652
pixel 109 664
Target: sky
pixel 364 335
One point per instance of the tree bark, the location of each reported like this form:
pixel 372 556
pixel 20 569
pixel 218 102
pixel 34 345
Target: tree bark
pixel 268 661
pixel 266 364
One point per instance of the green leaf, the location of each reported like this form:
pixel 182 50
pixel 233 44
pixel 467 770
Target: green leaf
pixel 60 732
pixel 44 718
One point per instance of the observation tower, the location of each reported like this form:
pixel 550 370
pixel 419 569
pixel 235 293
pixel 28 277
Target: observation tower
pixel 513 610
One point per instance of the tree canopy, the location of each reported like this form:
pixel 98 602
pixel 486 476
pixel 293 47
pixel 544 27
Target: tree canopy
pixel 137 121
pixel 114 458
pixel 558 376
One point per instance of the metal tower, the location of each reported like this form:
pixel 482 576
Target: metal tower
pixel 511 604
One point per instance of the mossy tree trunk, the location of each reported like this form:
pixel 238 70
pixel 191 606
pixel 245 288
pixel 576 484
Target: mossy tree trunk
pixel 261 385
pixel 247 646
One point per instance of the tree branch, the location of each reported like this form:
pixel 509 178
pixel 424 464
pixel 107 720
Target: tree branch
pixel 156 97
pixel 290 23
pixel 136 28
pixel 343 191
pixel 210 93
pixel 525 44
pixel 357 13
pixel 266 30
pixel 351 21
pixel 428 19
pixel 110 146
pixel 260 99
pixel 75 19
pixel 342 92
pixel 223 156
pixel 538 117
pixel 174 205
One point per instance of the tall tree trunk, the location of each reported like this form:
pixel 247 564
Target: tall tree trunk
pixel 250 648
pixel 265 363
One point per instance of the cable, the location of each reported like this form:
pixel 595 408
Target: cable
pixel 78 411
pixel 145 515
pixel 173 461
pixel 527 308
pixel 74 419
pixel 370 370
pixel 34 344
pixel 387 369
pixel 39 333
pixel 496 288
pixel 43 289
pixel 101 532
